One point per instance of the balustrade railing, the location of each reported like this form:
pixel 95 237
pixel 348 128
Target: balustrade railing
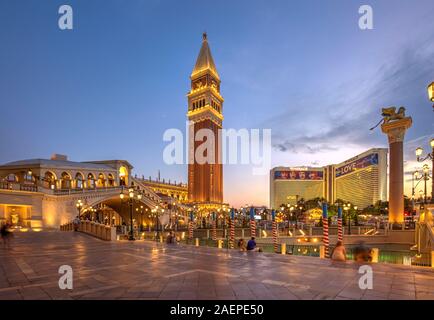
pixel 95 229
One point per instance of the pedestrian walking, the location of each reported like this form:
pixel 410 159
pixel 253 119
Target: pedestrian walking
pixel 6 235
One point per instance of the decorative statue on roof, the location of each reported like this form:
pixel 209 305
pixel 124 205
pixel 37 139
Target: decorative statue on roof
pixel 390 114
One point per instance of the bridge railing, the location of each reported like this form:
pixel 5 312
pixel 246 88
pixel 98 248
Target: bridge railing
pixel 15 186
pixel 79 191
pixel 98 230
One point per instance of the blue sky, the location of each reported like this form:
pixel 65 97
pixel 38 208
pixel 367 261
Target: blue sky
pixel 112 86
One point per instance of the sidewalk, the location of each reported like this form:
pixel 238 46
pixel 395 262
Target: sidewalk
pixel 147 270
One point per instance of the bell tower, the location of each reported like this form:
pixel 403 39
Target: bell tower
pixel 205 111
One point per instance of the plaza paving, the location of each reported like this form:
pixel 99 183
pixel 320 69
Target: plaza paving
pixel 146 270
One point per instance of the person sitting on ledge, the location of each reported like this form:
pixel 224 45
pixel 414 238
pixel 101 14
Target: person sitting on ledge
pixel 76 223
pixel 339 253
pixel 242 245
pixel 251 245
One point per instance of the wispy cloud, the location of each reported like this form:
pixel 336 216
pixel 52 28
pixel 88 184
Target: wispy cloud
pixel 343 114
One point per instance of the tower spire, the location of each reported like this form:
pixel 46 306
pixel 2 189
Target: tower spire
pixel 205 61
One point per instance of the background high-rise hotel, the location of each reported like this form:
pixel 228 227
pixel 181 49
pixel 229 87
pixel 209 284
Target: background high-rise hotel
pixel 361 180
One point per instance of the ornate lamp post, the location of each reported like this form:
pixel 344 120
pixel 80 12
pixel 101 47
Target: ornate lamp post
pixel 157 220
pixel 132 195
pixel 421 158
pixel 431 92
pixel 425 177
pixel 413 188
pixel 79 206
pixel 347 207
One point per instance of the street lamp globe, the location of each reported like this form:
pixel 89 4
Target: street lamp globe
pixel 122 196
pixel 432 143
pixel 419 151
pixel 431 92
pixel 416 174
pixel 425 168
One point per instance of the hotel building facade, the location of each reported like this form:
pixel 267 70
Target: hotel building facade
pixel 362 180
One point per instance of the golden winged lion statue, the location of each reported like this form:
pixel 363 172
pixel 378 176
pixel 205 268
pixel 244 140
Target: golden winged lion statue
pixel 390 114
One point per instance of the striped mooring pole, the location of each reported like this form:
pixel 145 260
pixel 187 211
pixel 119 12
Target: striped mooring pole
pixel 340 231
pixel 214 227
pixel 190 226
pixel 274 227
pixel 252 223
pixel 232 235
pixel 325 230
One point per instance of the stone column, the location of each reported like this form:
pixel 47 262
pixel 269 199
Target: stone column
pixel 395 131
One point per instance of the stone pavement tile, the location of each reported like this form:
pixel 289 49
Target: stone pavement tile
pixel 373 297
pixel 425 296
pixel 424 289
pixel 206 296
pixel 224 292
pixel 114 293
pixel 150 294
pixel 303 294
pixel 403 287
pixel 167 295
pixel 400 297
pixel 187 295
pixel 409 293
pixel 11 295
pixel 131 295
pixel 403 281
pixel 246 295
pixel 285 296
pixel 18 281
pixel 55 293
pixel 424 283
pixel 324 296
pixel 34 293
pixel 229 295
pixel 351 293
pixel 381 287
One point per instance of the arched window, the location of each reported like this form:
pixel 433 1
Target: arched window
pixel 123 176
pixel 90 181
pixel 12 177
pixel 111 180
pixel 65 182
pixel 79 181
pixel 28 177
pixel 101 180
pixel 49 180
